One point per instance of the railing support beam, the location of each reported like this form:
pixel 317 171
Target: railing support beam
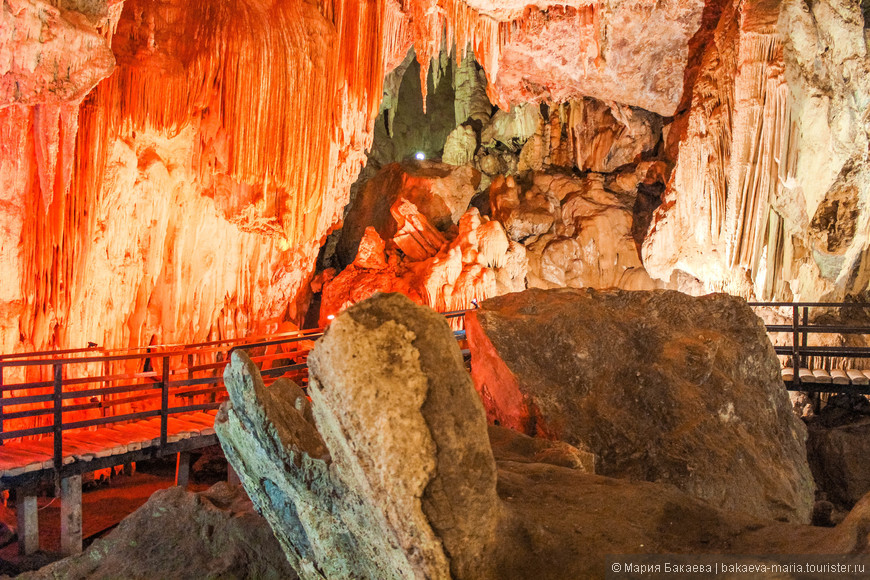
pixel 796 359
pixel 57 427
pixel 164 403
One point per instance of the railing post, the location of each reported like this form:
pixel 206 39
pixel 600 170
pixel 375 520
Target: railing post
pixel 164 403
pixel 2 413
pixel 806 321
pixel 58 416
pixel 795 346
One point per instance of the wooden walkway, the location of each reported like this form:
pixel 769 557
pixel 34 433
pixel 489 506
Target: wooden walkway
pixel 86 404
pixel 66 413
pixel 85 446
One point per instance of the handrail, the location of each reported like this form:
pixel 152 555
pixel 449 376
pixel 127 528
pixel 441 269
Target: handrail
pixel 800 329
pixel 303 333
pixel 170 388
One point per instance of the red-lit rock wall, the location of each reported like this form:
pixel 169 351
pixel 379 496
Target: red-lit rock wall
pixel 187 195
pixel 170 169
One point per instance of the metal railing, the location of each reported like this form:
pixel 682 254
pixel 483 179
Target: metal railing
pixel 169 383
pixel 800 329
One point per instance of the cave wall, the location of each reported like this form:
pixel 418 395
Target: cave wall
pixel 768 196
pixel 170 171
pixel 186 195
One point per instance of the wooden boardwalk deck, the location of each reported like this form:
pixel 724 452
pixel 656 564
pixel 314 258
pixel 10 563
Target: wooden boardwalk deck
pixel 76 411
pixel 84 446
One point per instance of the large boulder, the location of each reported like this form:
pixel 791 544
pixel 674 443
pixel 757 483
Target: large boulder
pixel 183 535
pixel 388 472
pixel 660 386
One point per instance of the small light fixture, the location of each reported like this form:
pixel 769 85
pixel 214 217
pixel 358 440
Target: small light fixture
pixel 474 301
pixel 330 317
pixel 419 156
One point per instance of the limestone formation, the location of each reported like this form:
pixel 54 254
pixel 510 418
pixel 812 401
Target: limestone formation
pixel 735 155
pixel 183 535
pixel 631 52
pixel 658 385
pixel 827 66
pixel 200 133
pixel 765 198
pixel 460 146
pixel 606 138
pixel 415 236
pixel 478 262
pixel 388 471
pixel 445 268
pixel 576 233
pixel 511 128
pixel 38 41
pixel 440 192
pixel 370 254
pixel 524 219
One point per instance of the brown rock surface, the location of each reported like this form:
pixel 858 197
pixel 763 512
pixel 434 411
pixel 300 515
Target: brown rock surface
pixel 838 445
pixel 561 523
pixel 510 445
pixel 181 535
pixel 658 385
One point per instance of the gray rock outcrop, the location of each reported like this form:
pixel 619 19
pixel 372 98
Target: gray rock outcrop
pixel 388 473
pixel 659 386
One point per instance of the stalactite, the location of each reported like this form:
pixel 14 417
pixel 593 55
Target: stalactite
pixel 762 127
pixel 55 126
pixel 466 26
pixel 256 69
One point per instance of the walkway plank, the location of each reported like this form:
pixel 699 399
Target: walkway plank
pixel 857 377
pixel 839 377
